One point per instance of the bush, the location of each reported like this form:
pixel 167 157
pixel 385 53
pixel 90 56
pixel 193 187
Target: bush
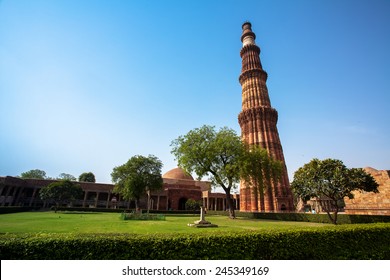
pixel 192 204
pixel 121 210
pixel 307 217
pixel 342 242
pixel 16 209
pixel 142 216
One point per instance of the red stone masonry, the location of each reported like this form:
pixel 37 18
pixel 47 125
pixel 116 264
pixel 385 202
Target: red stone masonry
pixel 369 203
pixel 258 127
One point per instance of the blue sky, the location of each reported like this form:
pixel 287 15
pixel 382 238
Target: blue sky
pixel 85 85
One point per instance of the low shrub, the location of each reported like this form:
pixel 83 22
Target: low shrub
pixel 342 242
pixel 142 216
pixel 308 217
pixel 121 210
pixel 16 209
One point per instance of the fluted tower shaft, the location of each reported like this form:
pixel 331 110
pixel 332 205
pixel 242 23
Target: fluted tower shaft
pixel 258 122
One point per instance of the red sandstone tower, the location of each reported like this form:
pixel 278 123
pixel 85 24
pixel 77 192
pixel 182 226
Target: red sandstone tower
pixel 258 127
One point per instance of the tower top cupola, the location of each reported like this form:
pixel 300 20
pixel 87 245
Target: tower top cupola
pixel 247 37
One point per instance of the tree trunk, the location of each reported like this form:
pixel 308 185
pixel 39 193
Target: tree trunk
pixel 229 200
pixel 336 211
pixel 334 217
pixel 330 216
pixel 148 193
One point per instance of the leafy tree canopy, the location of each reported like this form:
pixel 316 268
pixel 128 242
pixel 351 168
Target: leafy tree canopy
pixel 224 157
pixel 259 170
pixel 192 204
pixel 66 176
pixel 331 179
pixel 87 177
pixel 34 174
pixel 206 151
pixel 137 176
pixel 61 192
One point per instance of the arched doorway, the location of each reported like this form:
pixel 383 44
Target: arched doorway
pixel 283 207
pixel 182 203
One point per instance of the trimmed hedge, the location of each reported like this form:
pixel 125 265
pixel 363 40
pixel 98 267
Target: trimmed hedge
pixel 139 216
pixel 16 209
pixel 122 210
pixel 342 242
pixel 308 217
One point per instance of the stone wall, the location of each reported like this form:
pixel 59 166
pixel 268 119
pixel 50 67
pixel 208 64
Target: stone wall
pixel 372 203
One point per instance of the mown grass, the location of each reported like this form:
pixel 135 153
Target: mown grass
pixel 84 222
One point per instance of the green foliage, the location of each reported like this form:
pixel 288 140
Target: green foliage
pixel 87 177
pixel 224 157
pixel 206 151
pixel 192 204
pixel 308 217
pixel 217 154
pixel 34 174
pixel 258 169
pixel 66 176
pixel 142 216
pixel 330 178
pixel 16 209
pixel 337 243
pixel 61 192
pixel 138 176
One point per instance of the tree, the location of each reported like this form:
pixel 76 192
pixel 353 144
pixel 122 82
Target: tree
pixel 138 176
pixel 192 204
pixel 259 170
pixel 87 177
pixel 66 176
pixel 331 179
pixel 206 151
pixel 34 174
pixel 61 192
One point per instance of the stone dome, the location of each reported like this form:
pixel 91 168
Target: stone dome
pixel 178 174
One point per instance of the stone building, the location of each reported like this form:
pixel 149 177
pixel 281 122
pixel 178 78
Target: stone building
pixel 178 187
pixel 258 127
pixel 372 203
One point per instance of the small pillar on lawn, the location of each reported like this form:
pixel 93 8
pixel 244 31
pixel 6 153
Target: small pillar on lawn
pixel 202 222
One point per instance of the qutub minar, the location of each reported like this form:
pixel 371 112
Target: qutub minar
pixel 258 127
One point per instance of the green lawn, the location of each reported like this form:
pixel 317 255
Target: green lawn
pixel 63 222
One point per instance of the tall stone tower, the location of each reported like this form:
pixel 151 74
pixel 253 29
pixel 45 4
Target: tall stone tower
pixel 258 127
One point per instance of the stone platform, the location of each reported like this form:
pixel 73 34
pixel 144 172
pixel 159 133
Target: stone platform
pixel 202 223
